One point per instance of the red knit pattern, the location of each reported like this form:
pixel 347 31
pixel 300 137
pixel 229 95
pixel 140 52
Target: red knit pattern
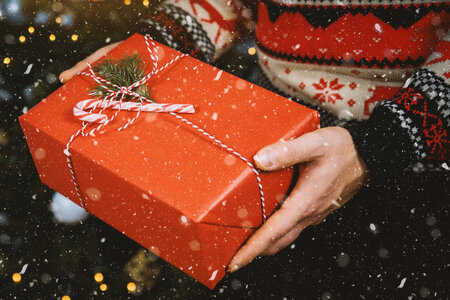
pixel 437 138
pixel 351 37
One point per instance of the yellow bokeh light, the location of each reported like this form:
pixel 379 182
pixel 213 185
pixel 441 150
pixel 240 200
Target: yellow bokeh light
pixel 74 37
pixel 131 287
pixel 103 287
pixel 127 2
pixel 65 297
pixel 31 29
pixel 16 277
pixel 58 20
pixel 22 39
pixel 251 50
pixel 6 61
pixel 98 277
pixel 146 3
pixel 52 37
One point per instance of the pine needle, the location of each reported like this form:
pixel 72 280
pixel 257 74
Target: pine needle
pixel 122 72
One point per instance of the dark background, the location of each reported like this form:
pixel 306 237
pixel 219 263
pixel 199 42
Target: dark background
pixel 392 230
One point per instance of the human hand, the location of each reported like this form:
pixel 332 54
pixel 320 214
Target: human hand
pixel 80 66
pixel 331 173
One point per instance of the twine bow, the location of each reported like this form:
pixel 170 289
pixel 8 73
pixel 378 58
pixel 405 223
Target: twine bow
pixel 84 111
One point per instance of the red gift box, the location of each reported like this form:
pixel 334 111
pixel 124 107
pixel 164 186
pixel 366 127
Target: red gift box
pixel 160 181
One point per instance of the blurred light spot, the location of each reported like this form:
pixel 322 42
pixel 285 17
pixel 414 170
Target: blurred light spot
pixel 51 78
pixel 242 213
pixel 67 20
pixel 343 260
pixel 131 287
pixel 383 253
pixel 41 18
pixel 236 284
pixel 6 60
pixel 229 160
pixel 9 39
pixel 58 20
pixel 431 221
pixel 424 292
pixel 240 84
pixel 22 39
pixel 252 51
pixel 13 7
pixel 146 3
pixel 127 2
pixel 16 277
pixel 98 277
pixel 40 153
pixel 103 287
pixel 194 245
pixel 435 233
pixel 31 29
pixel 74 37
pixel 65 297
pixel 52 37
pixel 93 193
pixel 57 6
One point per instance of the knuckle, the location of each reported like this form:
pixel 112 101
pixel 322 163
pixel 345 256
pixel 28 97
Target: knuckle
pixel 271 251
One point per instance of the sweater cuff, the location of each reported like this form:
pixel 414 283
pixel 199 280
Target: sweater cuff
pixel 174 27
pixel 384 146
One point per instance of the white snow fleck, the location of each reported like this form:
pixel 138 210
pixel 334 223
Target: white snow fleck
pixel 445 166
pixel 24 269
pixel 102 240
pixel 28 70
pixel 214 116
pixel 189 20
pixel 402 283
pixel 213 275
pixel 378 27
pixel 335 203
pixel 372 227
pixel 218 75
pixel 184 220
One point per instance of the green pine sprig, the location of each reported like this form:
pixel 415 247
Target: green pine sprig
pixel 122 72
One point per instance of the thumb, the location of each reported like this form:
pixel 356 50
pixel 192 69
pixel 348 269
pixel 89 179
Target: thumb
pixel 287 153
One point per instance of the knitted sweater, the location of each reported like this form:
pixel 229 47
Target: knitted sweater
pixel 385 63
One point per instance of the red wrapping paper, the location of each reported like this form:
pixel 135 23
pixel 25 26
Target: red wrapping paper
pixel 162 183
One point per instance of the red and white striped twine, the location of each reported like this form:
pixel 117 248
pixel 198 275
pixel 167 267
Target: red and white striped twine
pixel 83 110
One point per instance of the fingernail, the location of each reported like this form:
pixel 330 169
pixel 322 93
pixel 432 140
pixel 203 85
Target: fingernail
pixel 265 158
pixel 233 268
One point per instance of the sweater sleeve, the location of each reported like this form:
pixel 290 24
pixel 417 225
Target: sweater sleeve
pixel 414 124
pixel 205 28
